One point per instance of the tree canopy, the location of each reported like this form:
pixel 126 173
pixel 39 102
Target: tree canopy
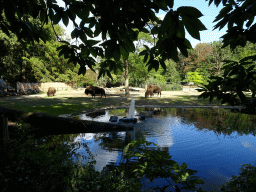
pixel 119 24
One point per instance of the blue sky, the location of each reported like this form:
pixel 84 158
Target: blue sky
pixel 209 13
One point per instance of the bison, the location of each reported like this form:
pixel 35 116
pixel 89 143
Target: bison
pixel 94 90
pixel 153 89
pixel 51 91
pixel 109 84
pixel 148 93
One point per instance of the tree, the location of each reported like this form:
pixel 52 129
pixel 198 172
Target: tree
pixel 116 19
pixel 217 57
pixel 239 75
pixel 194 77
pixel 38 62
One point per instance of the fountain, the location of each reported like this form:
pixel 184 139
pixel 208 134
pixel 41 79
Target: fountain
pixel 130 118
pixel 131 109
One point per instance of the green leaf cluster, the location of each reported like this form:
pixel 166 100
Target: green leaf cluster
pixel 151 164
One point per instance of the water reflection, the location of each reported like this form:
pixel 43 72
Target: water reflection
pixel 215 142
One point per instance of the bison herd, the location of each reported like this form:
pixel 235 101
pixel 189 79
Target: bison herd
pixel 93 90
pixel 151 89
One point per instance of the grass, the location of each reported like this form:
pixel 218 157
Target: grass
pixel 75 105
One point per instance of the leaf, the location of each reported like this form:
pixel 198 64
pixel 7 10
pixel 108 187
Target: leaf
pixel 56 18
pixel 4 27
pixel 197 181
pixel 109 75
pixel 74 33
pixel 149 66
pixel 248 58
pixel 163 64
pixel 84 52
pixel 65 19
pixel 181 31
pixel 193 26
pixel 183 166
pixel 109 51
pixel 170 3
pixel 123 52
pixel 144 52
pixel 189 12
pixel 82 69
pixel 155 30
pixel 97 30
pixel 144 30
pixel 116 53
pixel 223 13
pixel 145 58
pixel 128 45
pixel 93 51
pixel 88 31
pixel 161 4
pixel 184 176
pixel 169 23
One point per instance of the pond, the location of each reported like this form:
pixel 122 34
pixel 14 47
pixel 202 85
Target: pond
pixel 214 142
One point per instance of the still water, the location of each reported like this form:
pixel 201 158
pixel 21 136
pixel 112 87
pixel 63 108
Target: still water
pixel 215 142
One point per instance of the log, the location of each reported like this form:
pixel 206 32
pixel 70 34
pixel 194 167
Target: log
pixel 44 124
pixel 4 134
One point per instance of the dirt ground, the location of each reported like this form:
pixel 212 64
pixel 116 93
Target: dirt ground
pixel 111 92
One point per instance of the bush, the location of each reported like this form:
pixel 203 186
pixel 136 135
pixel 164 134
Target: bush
pixel 171 87
pixel 246 182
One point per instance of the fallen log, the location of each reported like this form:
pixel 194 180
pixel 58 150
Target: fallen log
pixel 43 124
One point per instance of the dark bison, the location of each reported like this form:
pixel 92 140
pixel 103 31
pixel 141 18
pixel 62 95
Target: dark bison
pixel 51 91
pixel 153 89
pixel 94 90
pixel 148 93
pixel 109 84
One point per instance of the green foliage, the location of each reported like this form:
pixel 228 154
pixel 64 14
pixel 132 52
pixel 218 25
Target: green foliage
pixel 36 63
pixel 122 31
pixel 171 73
pixel 152 164
pixel 194 77
pixel 238 77
pixel 246 181
pixel 236 15
pixel 171 87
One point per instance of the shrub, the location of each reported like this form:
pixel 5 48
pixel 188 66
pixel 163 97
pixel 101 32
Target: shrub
pixel 246 182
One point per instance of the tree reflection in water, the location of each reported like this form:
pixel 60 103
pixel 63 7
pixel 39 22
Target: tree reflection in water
pixel 221 121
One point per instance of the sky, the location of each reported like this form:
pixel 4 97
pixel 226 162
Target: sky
pixel 209 12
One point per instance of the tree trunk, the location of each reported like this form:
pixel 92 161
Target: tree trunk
pixel 126 79
pixel 241 94
pixel 146 84
pixel 21 67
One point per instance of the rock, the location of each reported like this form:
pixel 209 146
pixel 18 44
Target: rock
pixel 113 119
pixel 146 113
pixel 129 120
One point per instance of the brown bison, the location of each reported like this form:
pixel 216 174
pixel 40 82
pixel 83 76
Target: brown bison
pixel 94 90
pixel 153 89
pixel 148 93
pixel 51 91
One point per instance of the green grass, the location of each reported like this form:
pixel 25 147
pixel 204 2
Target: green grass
pixel 76 105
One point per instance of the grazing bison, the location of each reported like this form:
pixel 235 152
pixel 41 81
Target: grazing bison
pixel 51 91
pixel 148 93
pixel 153 89
pixel 94 90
